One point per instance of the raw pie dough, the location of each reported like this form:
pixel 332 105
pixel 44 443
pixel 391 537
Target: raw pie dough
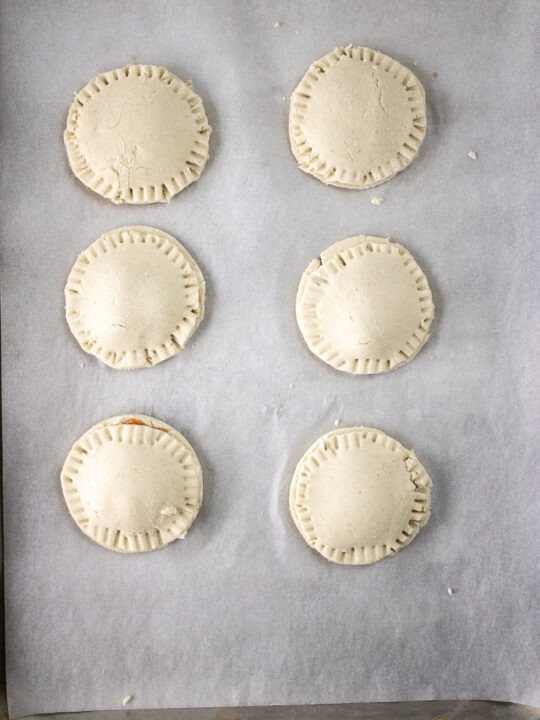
pixel 357 118
pixel 364 306
pixel 138 134
pixel 134 297
pixel 132 483
pixel 357 496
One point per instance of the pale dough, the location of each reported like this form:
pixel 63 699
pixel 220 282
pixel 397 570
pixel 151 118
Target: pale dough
pixel 357 496
pixel 132 483
pixel 364 306
pixel 357 118
pixel 134 297
pixel 137 134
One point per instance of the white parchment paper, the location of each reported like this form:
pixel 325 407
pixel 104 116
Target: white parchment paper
pixel 242 611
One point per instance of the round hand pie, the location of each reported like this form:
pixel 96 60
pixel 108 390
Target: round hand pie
pixel 138 134
pixel 364 306
pixel 357 118
pixel 132 483
pixel 134 297
pixel 358 496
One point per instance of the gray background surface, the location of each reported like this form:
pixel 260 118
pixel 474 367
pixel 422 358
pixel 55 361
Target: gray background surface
pixel 242 612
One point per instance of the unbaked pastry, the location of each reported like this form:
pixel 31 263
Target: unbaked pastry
pixel 137 134
pixel 358 496
pixel 132 483
pixel 134 297
pixel 364 306
pixel 357 118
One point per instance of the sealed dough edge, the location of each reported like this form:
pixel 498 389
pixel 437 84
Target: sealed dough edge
pixel 106 181
pixel 311 159
pixel 328 445
pixel 331 261
pixel 138 431
pixel 177 336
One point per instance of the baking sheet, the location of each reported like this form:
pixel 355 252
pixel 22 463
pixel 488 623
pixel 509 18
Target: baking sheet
pixel 242 612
